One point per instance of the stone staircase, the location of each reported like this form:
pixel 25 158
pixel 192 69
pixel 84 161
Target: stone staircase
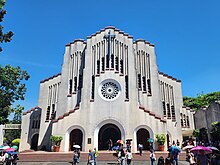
pixel 41 156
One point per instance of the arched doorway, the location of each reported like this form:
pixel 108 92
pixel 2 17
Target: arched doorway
pixel 34 142
pixel 76 137
pixel 142 136
pixel 106 132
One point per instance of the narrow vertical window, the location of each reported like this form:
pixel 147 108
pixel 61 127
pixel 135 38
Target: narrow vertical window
pixel 93 88
pixel 181 118
pixel 33 124
pixel 75 84
pixel 53 112
pixel 116 64
pixel 164 108
pixel 187 121
pixel 48 113
pixel 168 111
pixel 126 87
pixel 149 87
pixel 112 61
pixel 103 64
pixel 139 81
pixel 70 86
pixel 121 67
pixel 144 83
pixel 98 66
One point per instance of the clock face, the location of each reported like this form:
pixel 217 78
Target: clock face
pixel 109 90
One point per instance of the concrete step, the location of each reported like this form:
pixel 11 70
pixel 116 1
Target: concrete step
pixel 41 156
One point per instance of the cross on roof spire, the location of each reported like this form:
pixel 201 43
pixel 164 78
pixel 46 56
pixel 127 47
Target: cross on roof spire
pixel 109 37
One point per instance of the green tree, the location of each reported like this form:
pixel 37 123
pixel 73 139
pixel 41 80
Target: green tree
pixel 14 134
pixel 4 37
pixel 201 100
pixel 17 114
pixel 12 88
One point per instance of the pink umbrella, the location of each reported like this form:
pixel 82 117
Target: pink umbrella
pixel 9 149
pixel 201 149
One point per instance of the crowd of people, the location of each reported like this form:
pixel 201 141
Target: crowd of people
pixel 8 159
pixel 124 155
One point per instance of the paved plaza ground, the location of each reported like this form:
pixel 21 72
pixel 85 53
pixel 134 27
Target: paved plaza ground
pixel 99 163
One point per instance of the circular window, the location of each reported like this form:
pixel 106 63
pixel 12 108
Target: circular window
pixel 109 89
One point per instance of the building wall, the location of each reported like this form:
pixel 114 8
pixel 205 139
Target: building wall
pixel 78 97
pixel 204 117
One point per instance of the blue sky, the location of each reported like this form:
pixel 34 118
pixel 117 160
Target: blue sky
pixel 185 33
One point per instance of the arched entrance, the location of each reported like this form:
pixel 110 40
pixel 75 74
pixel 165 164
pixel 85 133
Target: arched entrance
pixel 34 142
pixel 76 137
pixel 142 136
pixel 106 132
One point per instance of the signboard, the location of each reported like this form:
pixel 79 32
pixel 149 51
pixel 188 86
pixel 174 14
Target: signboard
pixel 12 126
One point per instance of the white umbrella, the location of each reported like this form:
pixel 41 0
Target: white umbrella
pixel 213 148
pixel 188 147
pixel 5 147
pixel 76 146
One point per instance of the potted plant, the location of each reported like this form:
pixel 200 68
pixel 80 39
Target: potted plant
pixel 161 138
pixel 56 140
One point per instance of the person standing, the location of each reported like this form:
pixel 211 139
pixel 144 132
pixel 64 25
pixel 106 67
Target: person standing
pixel 122 157
pixel 140 147
pixel 2 158
pixel 153 157
pixel 129 157
pixel 201 158
pixel 95 152
pixel 90 157
pixel 76 156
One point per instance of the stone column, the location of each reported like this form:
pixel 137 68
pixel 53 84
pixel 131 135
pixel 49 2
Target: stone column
pixel 2 133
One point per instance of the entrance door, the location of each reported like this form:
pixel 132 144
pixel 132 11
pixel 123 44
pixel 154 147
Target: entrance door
pixel 142 137
pixel 34 142
pixel 107 132
pixel 76 137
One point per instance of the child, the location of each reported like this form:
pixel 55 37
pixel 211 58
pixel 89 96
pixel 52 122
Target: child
pixel 129 157
pixel 153 157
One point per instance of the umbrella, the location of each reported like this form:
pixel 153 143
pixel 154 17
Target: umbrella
pixel 120 141
pixel 15 147
pixel 5 147
pixel 150 140
pixel 197 150
pixel 76 146
pixel 175 149
pixel 188 147
pixel 213 148
pixel 12 153
pixel 9 149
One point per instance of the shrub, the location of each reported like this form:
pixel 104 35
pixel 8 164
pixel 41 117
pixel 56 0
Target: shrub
pixel 161 138
pixel 56 140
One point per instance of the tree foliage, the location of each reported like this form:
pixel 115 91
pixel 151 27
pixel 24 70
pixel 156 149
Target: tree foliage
pixel 201 101
pixel 4 37
pixel 12 88
pixel 215 132
pixel 201 135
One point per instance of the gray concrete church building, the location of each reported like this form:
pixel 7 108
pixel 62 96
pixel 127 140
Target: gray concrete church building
pixel 109 88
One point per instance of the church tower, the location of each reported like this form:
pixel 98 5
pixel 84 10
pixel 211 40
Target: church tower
pixel 109 88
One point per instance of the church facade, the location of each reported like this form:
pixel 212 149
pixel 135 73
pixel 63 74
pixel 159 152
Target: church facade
pixel 109 88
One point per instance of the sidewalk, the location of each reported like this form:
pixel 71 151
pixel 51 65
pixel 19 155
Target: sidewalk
pixel 98 163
